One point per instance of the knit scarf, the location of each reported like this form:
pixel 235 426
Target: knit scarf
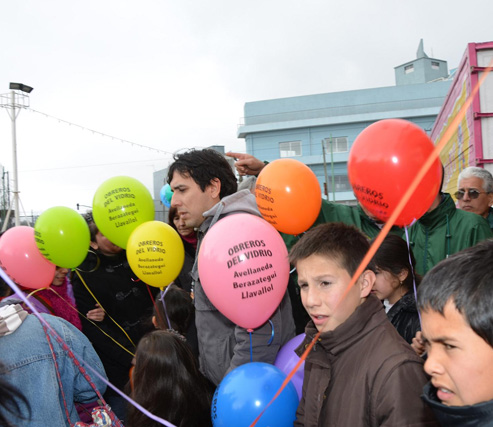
pixel 60 302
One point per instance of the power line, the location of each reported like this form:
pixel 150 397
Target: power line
pixel 114 138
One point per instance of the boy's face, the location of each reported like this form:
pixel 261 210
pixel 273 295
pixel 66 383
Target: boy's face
pixel 459 361
pixel 190 201
pixel 323 283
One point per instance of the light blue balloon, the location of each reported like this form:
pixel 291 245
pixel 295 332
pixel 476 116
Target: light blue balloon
pixel 245 392
pixel 166 194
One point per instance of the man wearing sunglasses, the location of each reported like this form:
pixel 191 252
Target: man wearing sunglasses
pixel 475 192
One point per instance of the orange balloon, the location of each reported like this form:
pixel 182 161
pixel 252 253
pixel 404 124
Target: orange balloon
pixel 288 195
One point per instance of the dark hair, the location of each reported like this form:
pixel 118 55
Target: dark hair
pixel 465 279
pixel 11 403
pixel 178 307
pixel 171 216
pixel 93 228
pixel 393 256
pixel 168 383
pixel 343 243
pixel 203 166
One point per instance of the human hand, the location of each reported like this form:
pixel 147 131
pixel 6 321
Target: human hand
pixel 96 314
pixel 418 344
pixel 246 164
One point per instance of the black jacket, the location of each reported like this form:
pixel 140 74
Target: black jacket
pixel 404 316
pixel 125 299
pixel 479 415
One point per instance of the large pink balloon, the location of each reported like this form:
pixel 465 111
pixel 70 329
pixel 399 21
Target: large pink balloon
pixel 244 269
pixel 21 259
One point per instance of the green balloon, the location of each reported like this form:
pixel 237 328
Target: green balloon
pixel 119 206
pixel 62 236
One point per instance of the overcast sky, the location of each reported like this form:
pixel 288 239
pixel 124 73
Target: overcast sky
pixel 176 74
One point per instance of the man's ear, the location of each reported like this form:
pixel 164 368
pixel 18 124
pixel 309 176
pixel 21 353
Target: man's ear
pixel 94 245
pixel 154 321
pixel 215 188
pixel 490 199
pixel 367 280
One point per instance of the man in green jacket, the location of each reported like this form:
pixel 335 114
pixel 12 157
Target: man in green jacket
pixel 443 231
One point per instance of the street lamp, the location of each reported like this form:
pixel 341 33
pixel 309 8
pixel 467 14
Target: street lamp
pixel 20 86
pixel 14 101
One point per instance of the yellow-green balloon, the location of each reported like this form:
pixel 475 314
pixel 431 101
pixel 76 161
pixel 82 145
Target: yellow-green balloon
pixel 119 206
pixel 62 236
pixel 155 253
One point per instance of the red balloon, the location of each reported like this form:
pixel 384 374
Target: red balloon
pixel 384 160
pixel 21 259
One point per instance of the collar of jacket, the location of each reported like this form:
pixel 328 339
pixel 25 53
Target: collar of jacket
pixel 406 303
pixel 345 335
pixel 242 201
pixel 11 317
pixel 435 217
pixel 464 416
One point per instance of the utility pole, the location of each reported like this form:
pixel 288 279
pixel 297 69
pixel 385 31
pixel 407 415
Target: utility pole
pixel 325 171
pixel 14 102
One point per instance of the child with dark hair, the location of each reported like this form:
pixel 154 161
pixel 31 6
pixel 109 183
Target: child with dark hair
pixel 394 285
pixel 174 312
pixel 189 238
pixel 360 372
pixel 456 304
pixel 167 382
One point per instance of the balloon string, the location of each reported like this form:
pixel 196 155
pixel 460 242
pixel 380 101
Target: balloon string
pixel 163 294
pixel 272 333
pixel 35 312
pixel 154 304
pixel 251 345
pixel 290 375
pixel 86 318
pixel 412 272
pixel 449 132
pixel 95 299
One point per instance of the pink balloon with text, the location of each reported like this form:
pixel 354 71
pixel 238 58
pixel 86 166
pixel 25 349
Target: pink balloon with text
pixel 244 269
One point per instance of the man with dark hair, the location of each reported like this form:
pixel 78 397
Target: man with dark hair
pixel 456 303
pixel 204 191
pixel 360 371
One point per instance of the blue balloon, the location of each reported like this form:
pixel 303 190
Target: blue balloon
pixel 166 195
pixel 245 392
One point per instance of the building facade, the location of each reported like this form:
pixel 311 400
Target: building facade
pixel 319 130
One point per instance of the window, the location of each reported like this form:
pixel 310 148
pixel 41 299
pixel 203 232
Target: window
pixel 341 183
pixel 339 144
pixel 409 69
pixel 435 65
pixel 290 149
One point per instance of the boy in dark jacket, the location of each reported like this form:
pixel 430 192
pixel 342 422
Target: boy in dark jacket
pixel 360 372
pixel 456 302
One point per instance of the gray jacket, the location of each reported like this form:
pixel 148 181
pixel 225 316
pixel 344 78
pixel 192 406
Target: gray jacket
pixel 223 346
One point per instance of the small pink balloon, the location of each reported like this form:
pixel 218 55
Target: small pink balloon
pixel 21 259
pixel 244 269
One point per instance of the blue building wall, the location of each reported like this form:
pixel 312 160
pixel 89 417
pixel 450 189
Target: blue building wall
pixel 313 118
